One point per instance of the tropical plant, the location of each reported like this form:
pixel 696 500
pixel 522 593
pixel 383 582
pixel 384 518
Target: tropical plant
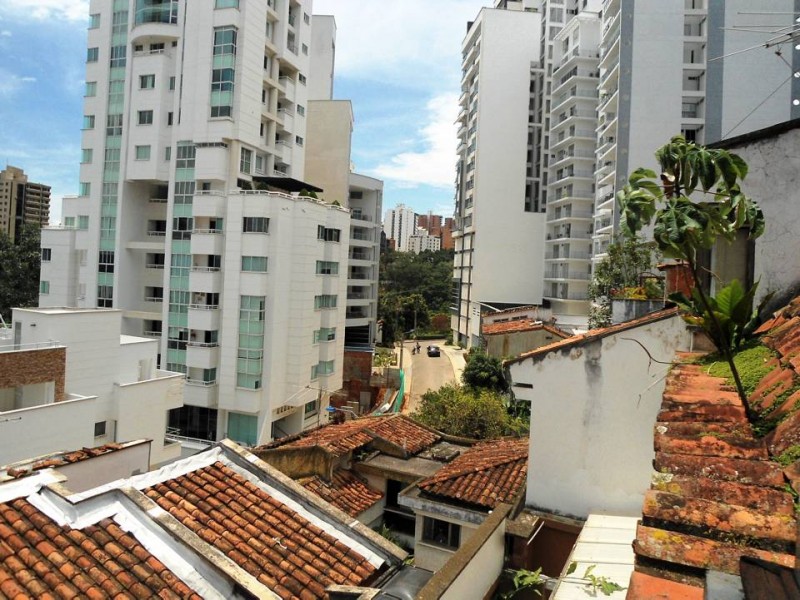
pixel 484 372
pixel 697 201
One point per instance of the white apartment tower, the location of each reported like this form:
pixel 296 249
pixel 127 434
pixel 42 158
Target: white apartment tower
pixel 189 218
pixel 399 223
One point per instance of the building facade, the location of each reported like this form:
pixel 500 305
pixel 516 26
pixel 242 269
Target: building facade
pixel 400 223
pixel 192 186
pixel 422 242
pixel 22 202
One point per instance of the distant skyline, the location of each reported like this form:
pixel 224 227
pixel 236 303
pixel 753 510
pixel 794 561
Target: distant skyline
pixel 399 63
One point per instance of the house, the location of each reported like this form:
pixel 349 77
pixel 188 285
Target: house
pixel 451 504
pixel 363 464
pixel 512 338
pixel 221 524
pixel 68 379
pixel 719 519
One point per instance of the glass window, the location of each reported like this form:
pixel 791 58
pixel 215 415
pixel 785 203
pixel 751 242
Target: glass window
pixel 105 261
pixel 44 287
pixel 84 188
pixel 91 89
pixel 251 341
pixel 246 160
pixel 142 152
pixel 301 110
pixel 441 533
pixel 325 334
pixel 86 155
pixel 329 235
pixel 243 428
pixel 224 40
pixel 172 84
pixel 254 264
pixel 311 408
pixel 325 367
pixel 83 222
pixel 94 21
pixel 170 118
pixel 298 140
pixel 301 78
pixel 325 301
pixel 145 117
pixel 168 153
pixel 100 429
pixel 92 54
pixel 88 121
pixel 69 222
pixel 226 4
pixel 147 82
pixel 46 254
pixel 255 225
pixel 326 267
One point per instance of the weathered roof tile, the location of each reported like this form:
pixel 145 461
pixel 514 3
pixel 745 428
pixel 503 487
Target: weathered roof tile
pixel 346 491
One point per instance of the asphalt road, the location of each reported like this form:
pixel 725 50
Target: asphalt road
pixel 428 373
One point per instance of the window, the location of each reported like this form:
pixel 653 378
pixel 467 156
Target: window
pixel 441 533
pixel 172 84
pixel 88 121
pixel 147 82
pixel 222 90
pixel 113 128
pixel 44 287
pixel 118 56
pixel 325 367
pixel 251 342
pixel 100 429
pixel 157 47
pixel 86 155
pixel 105 261
pixel 69 222
pixel 326 267
pixel 224 40
pixel 46 254
pixel 254 264
pixel 92 54
pixel 311 408
pixel 84 188
pixel 246 160
pixel 242 428
pixel 325 334
pixel 301 110
pixel 304 48
pixel 91 89
pixel 226 4
pixel 325 301
pixel 329 235
pixel 260 161
pixel 298 140
pixel 145 117
pixel 301 78
pixel 306 19
pixel 169 118
pixel 142 152
pixel 168 153
pixel 83 222
pixel 255 225
pixel 94 21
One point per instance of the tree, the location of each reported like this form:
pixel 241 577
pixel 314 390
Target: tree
pixel 627 258
pixel 683 227
pixel 467 412
pixel 19 270
pixel 401 312
pixel 484 372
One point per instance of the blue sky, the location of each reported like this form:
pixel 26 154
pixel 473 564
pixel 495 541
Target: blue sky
pixel 398 61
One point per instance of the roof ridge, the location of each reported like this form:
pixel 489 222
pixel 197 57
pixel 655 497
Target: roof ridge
pixel 444 476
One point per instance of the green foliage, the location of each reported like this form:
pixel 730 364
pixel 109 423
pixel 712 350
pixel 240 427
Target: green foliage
pixel 400 313
pixel 600 584
pixel 484 372
pixel 730 317
pixel 789 456
pixel 466 412
pixel 751 363
pixel 627 258
pixel 524 580
pixel 383 357
pixel 19 270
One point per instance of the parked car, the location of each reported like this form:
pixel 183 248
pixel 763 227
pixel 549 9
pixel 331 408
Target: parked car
pixel 433 351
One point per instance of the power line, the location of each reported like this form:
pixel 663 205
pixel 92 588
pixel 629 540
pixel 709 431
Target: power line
pixel 760 104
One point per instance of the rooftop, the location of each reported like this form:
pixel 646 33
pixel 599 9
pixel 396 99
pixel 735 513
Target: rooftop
pixel 724 490
pixel 521 325
pixel 60 459
pixel 484 476
pixel 346 491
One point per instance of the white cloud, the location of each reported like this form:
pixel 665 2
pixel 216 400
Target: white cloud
pixel 5 33
pixel 434 164
pixel 11 83
pixel 409 42
pixel 71 10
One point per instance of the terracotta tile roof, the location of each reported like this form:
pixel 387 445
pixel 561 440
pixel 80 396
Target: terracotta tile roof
pixel 60 459
pixel 340 439
pixel 521 325
pixel 40 559
pixel 486 475
pixel 346 491
pixel 722 495
pixel 594 334
pixel 271 541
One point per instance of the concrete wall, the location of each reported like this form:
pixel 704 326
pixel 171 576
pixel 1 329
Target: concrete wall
pixel 329 125
pixel 593 407
pixel 507 345
pixel 125 462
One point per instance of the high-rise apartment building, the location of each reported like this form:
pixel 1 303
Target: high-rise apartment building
pixel 439 227
pixel 189 218
pixel 399 223
pixel 22 202
pixel 608 83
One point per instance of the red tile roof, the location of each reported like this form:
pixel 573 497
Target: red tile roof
pixel 40 559
pixel 271 541
pixel 595 334
pixel 724 496
pixel 346 491
pixel 486 475
pixel 60 459
pixel 398 430
pixel 521 325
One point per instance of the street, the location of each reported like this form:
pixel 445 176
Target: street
pixel 430 373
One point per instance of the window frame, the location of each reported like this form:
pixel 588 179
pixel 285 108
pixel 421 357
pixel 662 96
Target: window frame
pixel 141 151
pixel 144 117
pixel 431 535
pixel 147 81
pixel 249 225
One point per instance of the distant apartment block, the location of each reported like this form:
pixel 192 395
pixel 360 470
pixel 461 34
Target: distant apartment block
pixel 22 202
pixel 438 226
pixel 422 242
pixel 399 224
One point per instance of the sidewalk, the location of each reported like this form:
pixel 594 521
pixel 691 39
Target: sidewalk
pixel 457 360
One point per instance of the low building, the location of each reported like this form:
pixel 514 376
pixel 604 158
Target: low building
pixel 221 524
pixel 68 379
pixel 512 338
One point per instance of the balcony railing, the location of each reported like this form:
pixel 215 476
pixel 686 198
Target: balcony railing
pixel 204 306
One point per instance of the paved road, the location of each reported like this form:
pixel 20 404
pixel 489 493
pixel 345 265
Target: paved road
pixel 428 373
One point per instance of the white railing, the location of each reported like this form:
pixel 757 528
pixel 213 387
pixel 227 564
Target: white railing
pixel 205 269
pixel 204 306
pixel 34 346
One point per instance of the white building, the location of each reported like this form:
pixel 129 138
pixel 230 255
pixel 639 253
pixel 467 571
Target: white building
pixel 496 199
pixel 400 223
pixel 188 218
pixel 70 380
pixel 422 241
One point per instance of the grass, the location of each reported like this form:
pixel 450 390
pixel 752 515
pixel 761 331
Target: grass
pixel 751 362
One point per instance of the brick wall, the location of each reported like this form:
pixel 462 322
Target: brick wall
pixel 26 367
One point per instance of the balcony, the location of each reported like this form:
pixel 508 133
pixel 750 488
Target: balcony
pixel 567 275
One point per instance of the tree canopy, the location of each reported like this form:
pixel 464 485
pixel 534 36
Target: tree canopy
pixel 19 270
pixel 484 371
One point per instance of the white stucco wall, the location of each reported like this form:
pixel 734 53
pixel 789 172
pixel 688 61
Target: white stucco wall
pixel 593 407
pixel 485 567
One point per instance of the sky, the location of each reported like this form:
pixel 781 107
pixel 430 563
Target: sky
pixel 398 62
